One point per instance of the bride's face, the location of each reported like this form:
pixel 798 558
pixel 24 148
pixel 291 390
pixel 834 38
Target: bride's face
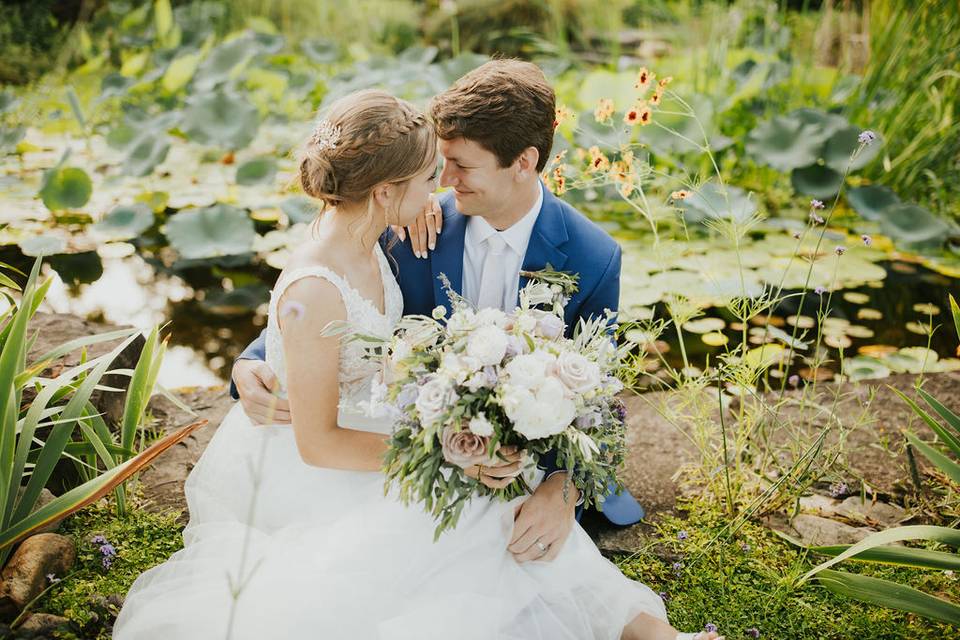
pixel 416 197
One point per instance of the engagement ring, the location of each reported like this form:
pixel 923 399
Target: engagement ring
pixel 542 547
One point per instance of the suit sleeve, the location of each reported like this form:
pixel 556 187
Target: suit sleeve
pixel 256 350
pixel 606 295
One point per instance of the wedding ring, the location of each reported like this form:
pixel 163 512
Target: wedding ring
pixel 541 546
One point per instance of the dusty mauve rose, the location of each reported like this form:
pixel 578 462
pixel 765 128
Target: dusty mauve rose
pixel 463 448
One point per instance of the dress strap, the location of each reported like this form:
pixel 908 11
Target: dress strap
pixel 316 271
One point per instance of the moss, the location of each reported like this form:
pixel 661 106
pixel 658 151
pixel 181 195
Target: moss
pixel 91 594
pixel 747 583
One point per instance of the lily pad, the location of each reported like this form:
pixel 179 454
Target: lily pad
pixel 864 368
pixel 802 322
pixel 42 246
pixel 713 201
pixel 784 143
pixel 816 180
pixel 877 350
pixel 299 209
pixel 913 226
pixel 714 339
pixel 11 136
pixel 704 325
pixel 125 222
pixel 220 230
pixel 872 200
pixel 145 153
pixel 223 60
pixel 869 314
pixel 764 356
pixel 221 118
pixel 842 149
pixel 927 309
pixel 257 171
pixel 321 50
pixel 918 328
pixel 820 124
pixel 66 188
pixel 859 331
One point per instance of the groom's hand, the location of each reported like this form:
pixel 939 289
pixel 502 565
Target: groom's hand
pixel 544 517
pixel 500 475
pixel 424 231
pixel 256 383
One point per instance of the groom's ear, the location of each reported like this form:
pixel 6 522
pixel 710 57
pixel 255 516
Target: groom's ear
pixel 527 163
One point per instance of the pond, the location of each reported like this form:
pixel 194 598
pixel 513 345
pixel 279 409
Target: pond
pixel 215 308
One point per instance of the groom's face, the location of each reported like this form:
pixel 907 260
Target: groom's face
pixel 480 185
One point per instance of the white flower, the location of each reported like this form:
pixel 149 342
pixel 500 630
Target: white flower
pixel 462 321
pixel 439 312
pixel 539 412
pixel 458 367
pixel 489 315
pixel 535 293
pixel 434 399
pixel 587 446
pixel 526 322
pixel 487 344
pixel 528 370
pixel 400 352
pixel 577 373
pixel 480 426
pixel 549 325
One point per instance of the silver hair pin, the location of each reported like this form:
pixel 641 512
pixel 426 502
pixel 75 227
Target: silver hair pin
pixel 325 136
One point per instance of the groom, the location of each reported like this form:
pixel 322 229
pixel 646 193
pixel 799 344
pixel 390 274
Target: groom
pixel 496 127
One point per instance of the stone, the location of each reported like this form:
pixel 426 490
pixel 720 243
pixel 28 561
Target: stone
pixel 819 505
pixel 46 496
pixel 43 623
pixel 25 574
pixel 816 531
pixel 872 513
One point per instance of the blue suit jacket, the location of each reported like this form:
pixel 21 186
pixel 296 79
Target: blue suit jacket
pixel 562 237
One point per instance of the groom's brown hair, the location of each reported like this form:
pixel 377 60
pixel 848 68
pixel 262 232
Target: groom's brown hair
pixel 504 105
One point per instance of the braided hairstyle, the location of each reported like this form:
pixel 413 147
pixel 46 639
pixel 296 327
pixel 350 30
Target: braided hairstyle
pixel 382 139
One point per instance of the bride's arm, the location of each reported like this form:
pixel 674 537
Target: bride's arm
pixel 313 389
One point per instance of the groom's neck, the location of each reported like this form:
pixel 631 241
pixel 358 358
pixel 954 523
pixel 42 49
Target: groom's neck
pixel 515 208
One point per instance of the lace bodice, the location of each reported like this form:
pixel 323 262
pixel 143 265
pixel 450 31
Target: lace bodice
pixel 362 314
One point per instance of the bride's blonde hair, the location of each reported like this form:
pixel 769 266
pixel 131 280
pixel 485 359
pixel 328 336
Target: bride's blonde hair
pixel 365 139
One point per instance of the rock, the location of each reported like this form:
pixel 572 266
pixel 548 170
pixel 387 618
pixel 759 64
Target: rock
pixel 25 575
pixel 819 505
pixel 43 623
pixel 46 496
pixel 817 531
pixel 872 513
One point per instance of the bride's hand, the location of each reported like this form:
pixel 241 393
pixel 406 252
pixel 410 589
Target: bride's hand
pixel 255 383
pixel 424 231
pixel 500 475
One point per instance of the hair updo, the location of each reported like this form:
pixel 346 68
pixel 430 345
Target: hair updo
pixel 381 139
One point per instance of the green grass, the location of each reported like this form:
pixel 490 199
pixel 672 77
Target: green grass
pixel 142 540
pixel 738 589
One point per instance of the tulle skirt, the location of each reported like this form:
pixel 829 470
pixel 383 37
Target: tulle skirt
pixel 278 549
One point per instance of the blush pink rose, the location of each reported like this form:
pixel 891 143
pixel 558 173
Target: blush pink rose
pixel 464 448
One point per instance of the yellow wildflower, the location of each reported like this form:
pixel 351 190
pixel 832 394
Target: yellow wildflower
pixel 632 116
pixel 626 188
pixel 604 110
pixel 646 116
pixel 619 171
pixel 665 81
pixel 599 162
pixel 643 79
pixel 562 115
pixel 627 158
pixel 680 195
pixel 655 96
pixel 560 186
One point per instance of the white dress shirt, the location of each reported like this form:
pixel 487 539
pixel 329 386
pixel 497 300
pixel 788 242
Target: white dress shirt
pixel 516 238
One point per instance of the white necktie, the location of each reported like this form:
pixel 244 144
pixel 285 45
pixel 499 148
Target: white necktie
pixel 491 277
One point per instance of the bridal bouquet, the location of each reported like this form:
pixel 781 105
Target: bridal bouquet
pixel 460 390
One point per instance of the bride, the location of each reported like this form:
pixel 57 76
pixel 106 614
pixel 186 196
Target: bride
pixel 290 533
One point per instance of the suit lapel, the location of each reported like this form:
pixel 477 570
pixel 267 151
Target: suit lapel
pixel 447 258
pixel 549 233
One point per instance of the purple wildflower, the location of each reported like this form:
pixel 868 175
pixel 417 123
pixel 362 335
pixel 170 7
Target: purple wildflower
pixel 816 204
pixel 816 219
pixel 867 240
pixel 107 561
pixel 663 596
pixel 840 250
pixel 819 291
pixel 677 567
pixel 753 632
pixel 52 578
pixel 710 627
pixel 620 411
pixel 745 547
pixel 794 380
pixel 98 539
pixel 796 235
pixel 838 489
pixel 866 137
pixel 682 535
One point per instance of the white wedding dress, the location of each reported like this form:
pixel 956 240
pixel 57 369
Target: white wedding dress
pixel 279 549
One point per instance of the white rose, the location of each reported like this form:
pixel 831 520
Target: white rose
pixel 549 325
pixel 491 316
pixel 461 321
pixel 539 412
pixel 527 370
pixel 480 426
pixel 434 399
pixel 577 373
pixel 488 345
pixel 526 322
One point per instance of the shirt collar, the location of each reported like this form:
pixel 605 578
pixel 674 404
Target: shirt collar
pixel 517 236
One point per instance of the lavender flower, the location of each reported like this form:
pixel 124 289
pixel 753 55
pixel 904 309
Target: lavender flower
pixel 816 204
pixel 866 137
pixel 710 627
pixel 840 250
pixel 816 219
pixel 52 578
pixel 794 380
pixel 746 548
pixel 98 539
pixel 677 567
pixel 796 235
pixel 663 596
pixel 819 291
pixel 753 632
pixel 682 535
pixel 107 551
pixel 867 240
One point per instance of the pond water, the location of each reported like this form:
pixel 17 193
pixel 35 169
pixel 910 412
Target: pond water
pixel 215 308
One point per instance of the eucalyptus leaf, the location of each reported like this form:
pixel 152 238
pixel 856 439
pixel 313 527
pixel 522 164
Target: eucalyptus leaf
pixel 220 230
pixel 221 118
pixel 125 222
pixel 871 201
pixel 816 180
